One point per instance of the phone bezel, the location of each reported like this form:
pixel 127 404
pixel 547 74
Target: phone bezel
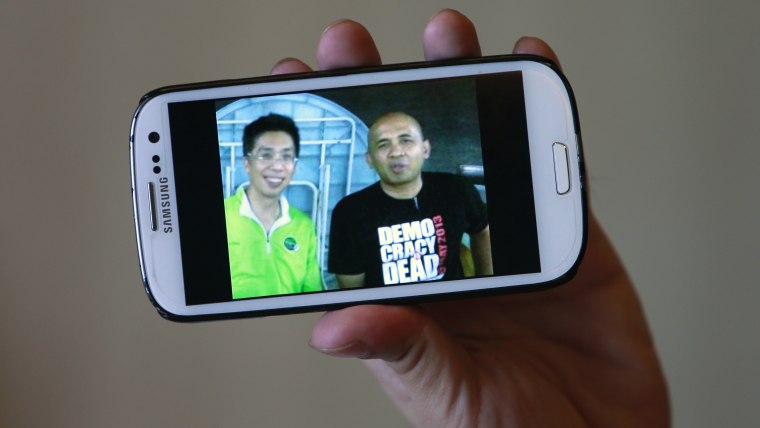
pixel 152 114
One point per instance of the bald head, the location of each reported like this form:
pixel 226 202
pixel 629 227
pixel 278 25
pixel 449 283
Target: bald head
pixel 395 117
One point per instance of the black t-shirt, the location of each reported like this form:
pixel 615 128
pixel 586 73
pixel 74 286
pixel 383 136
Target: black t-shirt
pixel 398 241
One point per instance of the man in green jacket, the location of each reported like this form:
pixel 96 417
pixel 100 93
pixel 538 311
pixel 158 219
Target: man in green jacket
pixel 272 246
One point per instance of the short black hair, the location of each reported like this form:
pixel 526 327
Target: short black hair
pixel 270 122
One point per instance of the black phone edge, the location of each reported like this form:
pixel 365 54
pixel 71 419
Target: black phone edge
pixel 430 298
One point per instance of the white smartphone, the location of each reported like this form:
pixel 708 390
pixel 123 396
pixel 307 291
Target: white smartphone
pixel 393 184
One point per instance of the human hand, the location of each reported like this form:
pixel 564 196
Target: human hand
pixel 577 355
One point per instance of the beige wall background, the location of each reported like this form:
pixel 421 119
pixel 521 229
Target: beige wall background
pixel 668 97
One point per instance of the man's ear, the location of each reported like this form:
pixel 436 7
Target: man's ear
pixel 426 147
pixel 368 158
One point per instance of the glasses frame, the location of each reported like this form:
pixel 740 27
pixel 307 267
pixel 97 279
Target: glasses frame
pixel 278 156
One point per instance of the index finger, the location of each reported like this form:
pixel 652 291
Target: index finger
pixel 535 46
pixel 448 35
pixel 346 44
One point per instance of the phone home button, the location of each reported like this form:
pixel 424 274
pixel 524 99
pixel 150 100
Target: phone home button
pixel 561 168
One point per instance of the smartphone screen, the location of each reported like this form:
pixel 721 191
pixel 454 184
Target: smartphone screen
pixel 477 170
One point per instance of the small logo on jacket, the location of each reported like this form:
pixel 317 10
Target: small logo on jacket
pixel 291 244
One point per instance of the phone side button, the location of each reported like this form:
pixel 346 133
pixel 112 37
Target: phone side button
pixel 561 168
pixel 152 206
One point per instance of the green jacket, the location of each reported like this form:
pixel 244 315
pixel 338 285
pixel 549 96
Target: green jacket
pixel 284 261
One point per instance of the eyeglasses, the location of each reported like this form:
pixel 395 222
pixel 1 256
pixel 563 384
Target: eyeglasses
pixel 269 157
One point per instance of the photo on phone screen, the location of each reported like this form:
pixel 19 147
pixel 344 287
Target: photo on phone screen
pixel 368 186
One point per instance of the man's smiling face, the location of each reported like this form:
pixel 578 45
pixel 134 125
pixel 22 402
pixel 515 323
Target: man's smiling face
pixel 271 163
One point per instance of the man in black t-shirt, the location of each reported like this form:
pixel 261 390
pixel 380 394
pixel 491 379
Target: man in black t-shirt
pixel 408 227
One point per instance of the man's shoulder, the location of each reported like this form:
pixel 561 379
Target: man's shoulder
pixel 299 217
pixel 233 201
pixel 359 198
pixel 447 180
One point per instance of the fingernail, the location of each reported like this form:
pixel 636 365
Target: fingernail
pixel 518 48
pixel 442 11
pixel 334 23
pixel 287 59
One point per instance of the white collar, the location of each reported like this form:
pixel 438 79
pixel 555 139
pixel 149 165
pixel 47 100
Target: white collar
pixel 247 211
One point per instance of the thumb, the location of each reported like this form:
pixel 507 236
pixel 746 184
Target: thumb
pixel 370 332
pixel 418 365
